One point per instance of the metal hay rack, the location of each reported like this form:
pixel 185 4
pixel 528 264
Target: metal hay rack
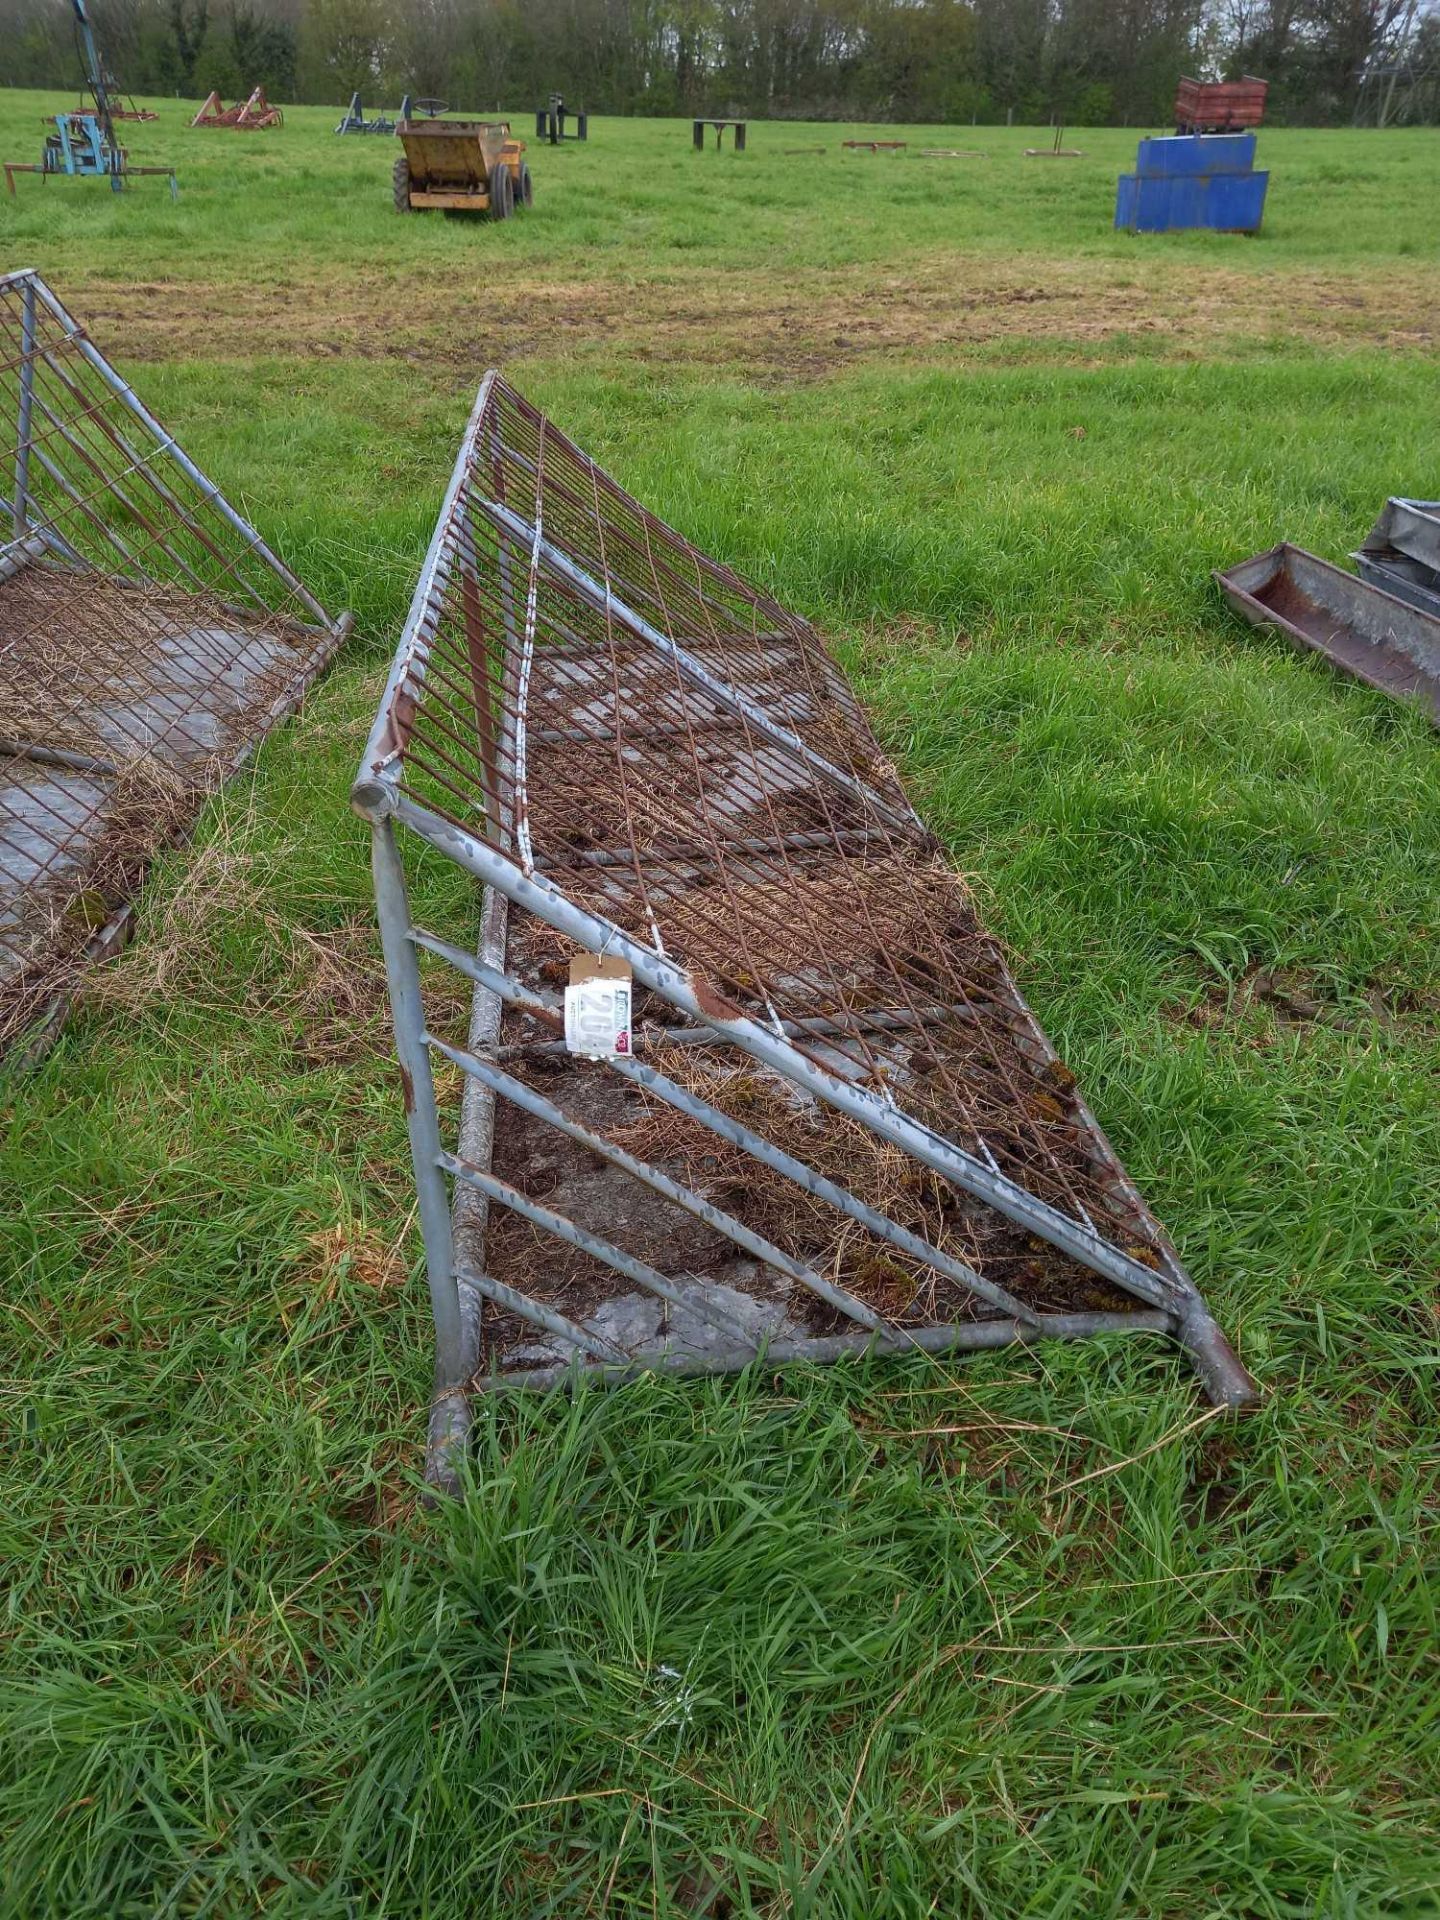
pixel 148 638
pixel 834 1124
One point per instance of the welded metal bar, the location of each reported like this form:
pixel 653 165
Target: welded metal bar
pixel 611 1256
pixel 535 894
pixel 769 646
pixel 538 1315
pixel 382 747
pixel 451 1414
pixel 50 542
pixel 736 1133
pixel 110 484
pixel 612 736
pixel 604 601
pixel 82 501
pixel 974 1336
pixel 177 453
pixel 18 553
pixel 817 1028
pixel 658 1182
pixel 476 1138
pixel 143 465
pixel 421 1118
pixel 22 420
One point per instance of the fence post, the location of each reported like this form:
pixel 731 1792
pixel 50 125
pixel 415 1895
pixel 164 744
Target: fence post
pixel 22 422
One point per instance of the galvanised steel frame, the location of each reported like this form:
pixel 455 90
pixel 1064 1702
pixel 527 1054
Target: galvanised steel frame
pixel 638 755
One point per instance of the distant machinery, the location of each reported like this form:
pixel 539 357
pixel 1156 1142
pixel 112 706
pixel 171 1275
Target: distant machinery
pixel 550 122
pixel 355 121
pixel 84 143
pixel 249 117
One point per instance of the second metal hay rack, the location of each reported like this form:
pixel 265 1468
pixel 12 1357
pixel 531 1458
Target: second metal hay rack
pixel 840 1127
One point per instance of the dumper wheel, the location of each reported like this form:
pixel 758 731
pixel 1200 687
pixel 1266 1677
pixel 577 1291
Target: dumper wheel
pixel 400 185
pixel 524 188
pixel 502 192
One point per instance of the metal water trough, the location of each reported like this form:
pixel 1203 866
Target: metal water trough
pixel 1401 554
pixel 1413 526
pixel 148 639
pixel 1371 635
pixel 825 1122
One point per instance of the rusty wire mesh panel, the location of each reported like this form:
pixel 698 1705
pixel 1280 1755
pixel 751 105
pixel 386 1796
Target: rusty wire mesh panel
pixel 148 637
pixel 643 755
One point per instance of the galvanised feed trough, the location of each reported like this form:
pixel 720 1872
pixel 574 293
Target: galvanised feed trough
pixel 1401 554
pixel 1372 635
pixel 816 1116
pixel 148 639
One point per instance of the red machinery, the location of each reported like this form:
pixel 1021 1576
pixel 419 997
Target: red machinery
pixel 255 113
pixel 1224 106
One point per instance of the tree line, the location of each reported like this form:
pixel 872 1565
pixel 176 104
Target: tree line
pixel 1081 62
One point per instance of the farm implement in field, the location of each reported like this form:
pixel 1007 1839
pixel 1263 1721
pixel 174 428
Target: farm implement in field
pixel 1224 106
pixel 84 144
pixel 461 166
pixel 250 116
pixel 354 120
pixel 770 1089
pixel 550 122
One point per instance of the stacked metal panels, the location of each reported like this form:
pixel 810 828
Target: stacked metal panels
pixel 1402 553
pixel 1193 180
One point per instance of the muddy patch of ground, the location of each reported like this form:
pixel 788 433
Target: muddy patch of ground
pixel 1293 1002
pixel 786 325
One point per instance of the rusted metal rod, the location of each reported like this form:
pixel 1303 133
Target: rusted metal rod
pixel 177 453
pixel 604 601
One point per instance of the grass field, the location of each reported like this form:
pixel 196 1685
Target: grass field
pixel 1023 1637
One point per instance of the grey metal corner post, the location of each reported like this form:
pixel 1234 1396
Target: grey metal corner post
pixel 456 1343
pixel 27 394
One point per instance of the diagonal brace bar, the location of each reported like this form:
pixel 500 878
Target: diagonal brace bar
pixel 569 1230
pixel 682 1196
pixel 736 1133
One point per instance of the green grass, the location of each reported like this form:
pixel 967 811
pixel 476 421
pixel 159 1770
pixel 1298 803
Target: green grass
pixel 928 1666
pixel 636 202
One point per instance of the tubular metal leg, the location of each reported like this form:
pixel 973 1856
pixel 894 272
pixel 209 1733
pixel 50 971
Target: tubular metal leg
pixel 449 1412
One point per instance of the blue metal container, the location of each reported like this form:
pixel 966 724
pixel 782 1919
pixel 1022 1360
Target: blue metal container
pixel 1223 202
pixel 1196 153
pixel 1235 202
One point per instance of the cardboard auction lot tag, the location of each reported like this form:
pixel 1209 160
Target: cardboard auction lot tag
pixel 597 1007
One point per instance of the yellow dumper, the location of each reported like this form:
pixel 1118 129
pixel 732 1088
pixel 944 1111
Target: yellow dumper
pixel 470 166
